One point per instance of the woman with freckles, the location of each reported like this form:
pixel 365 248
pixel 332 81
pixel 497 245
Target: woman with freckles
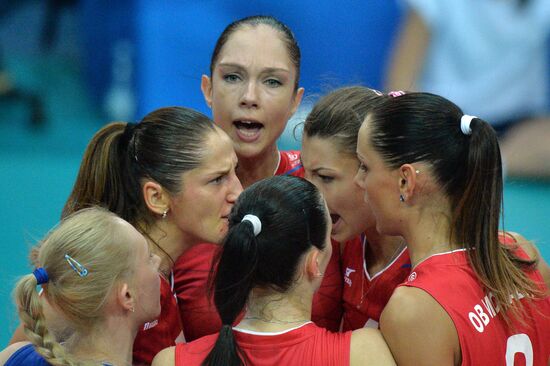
pixel 253 90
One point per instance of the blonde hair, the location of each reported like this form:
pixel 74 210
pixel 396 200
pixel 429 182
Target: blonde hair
pixel 92 237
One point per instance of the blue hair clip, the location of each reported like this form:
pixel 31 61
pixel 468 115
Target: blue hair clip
pixel 78 268
pixel 41 276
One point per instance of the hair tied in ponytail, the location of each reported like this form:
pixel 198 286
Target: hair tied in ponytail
pixel 255 221
pixel 41 276
pixel 465 122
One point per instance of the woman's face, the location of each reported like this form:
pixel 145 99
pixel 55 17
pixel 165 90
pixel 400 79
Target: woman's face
pixel 146 275
pixel 381 185
pixel 208 193
pixel 251 90
pixel 333 173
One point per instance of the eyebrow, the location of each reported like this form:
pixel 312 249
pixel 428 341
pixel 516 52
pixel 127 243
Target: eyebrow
pixel 316 170
pixel 266 70
pixel 218 172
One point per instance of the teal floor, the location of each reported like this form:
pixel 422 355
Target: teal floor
pixel 38 167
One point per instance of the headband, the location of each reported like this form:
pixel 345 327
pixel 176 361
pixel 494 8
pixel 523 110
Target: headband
pixel 41 275
pixel 255 221
pixel 465 122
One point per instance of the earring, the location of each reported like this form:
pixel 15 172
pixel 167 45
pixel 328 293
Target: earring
pixel 417 171
pixel 319 274
pixel 401 198
pixel 164 213
pixel 132 309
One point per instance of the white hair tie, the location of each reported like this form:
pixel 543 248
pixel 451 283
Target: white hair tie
pixel 465 122
pixel 255 221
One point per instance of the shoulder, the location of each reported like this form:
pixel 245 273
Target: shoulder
pixel 165 357
pixel 369 348
pixel 10 350
pixel 418 329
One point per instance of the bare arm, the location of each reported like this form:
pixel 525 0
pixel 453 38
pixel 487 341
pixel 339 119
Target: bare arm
pixel 166 357
pixel 408 55
pixel 418 330
pixel 369 348
pixel 533 252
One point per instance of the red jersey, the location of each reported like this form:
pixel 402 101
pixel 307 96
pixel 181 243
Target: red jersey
pixel 197 311
pixel 484 337
pixel 365 296
pixel 326 310
pixel 163 332
pixel 290 164
pixel 305 345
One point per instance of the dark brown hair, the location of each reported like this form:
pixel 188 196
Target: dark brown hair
pixel 253 21
pixel 294 219
pixel 339 115
pixel 161 147
pixel 423 127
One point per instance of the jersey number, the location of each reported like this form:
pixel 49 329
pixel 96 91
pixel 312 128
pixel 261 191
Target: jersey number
pixel 519 343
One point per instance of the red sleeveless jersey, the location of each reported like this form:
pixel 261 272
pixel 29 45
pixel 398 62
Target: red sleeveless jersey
pixel 290 164
pixel 163 332
pixel 484 337
pixel 365 296
pixel 326 310
pixel 303 346
pixel 197 311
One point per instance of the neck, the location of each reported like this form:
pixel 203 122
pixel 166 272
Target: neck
pixel 380 250
pixel 167 241
pixel 277 311
pixel 253 169
pixel 107 344
pixel 429 235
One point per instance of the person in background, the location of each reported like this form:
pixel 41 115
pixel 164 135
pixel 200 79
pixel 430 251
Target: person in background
pixel 269 266
pixel 433 175
pixel 253 90
pixel 491 57
pixel 98 274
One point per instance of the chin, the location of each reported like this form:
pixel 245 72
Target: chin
pixel 340 237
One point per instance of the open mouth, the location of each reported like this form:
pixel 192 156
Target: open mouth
pixel 334 218
pixel 248 130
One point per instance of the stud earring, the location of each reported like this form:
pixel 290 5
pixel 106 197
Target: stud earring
pixel 401 198
pixel 164 213
pixel 132 309
pixel 417 171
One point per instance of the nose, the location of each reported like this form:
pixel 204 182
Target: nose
pixel 359 179
pixel 249 97
pixel 235 189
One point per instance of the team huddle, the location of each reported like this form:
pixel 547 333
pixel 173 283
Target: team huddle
pixel 191 241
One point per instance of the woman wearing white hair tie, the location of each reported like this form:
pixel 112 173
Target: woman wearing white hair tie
pixel 434 176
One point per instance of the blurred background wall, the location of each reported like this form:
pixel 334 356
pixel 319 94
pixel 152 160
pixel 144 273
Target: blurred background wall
pixel 68 67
